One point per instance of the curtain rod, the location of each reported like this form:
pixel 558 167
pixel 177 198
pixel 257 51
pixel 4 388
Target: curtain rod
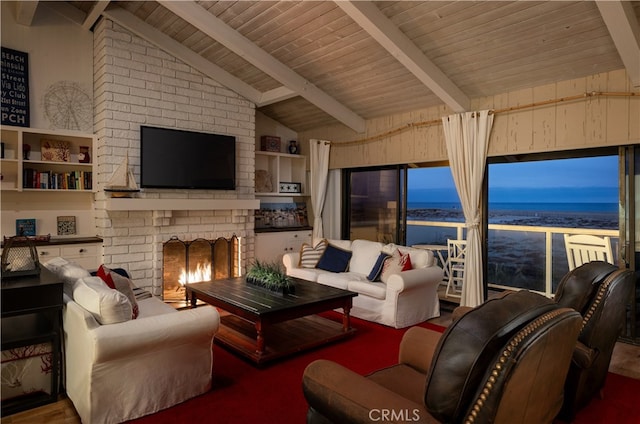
pixel 438 121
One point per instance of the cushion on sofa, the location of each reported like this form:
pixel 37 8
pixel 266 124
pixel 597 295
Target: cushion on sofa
pixel 121 283
pixel 108 306
pixel 376 271
pixel 68 271
pixel 371 289
pixel 340 244
pixel 125 286
pixel 310 255
pixel 365 254
pixel 420 258
pixel 395 264
pixel 334 259
pixel 340 280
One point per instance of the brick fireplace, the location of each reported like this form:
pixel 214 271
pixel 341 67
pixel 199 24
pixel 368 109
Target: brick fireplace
pixel 136 83
pixel 186 262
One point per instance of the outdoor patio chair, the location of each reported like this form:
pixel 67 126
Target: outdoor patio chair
pixel 455 263
pixel 583 248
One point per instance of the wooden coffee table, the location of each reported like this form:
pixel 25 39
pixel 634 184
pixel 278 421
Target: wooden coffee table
pixel 262 326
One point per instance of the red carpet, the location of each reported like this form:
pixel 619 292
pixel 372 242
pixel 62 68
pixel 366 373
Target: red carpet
pixel 243 393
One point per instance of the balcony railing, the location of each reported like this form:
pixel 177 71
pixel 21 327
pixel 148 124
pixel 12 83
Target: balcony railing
pixel 519 256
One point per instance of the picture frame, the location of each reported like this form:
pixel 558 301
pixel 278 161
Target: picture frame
pixel 290 187
pixel 66 225
pixel 281 215
pixel 26 227
pixel 55 150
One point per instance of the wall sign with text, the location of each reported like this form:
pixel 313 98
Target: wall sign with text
pixel 15 87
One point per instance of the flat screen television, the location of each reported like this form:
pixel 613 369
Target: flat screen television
pixel 179 159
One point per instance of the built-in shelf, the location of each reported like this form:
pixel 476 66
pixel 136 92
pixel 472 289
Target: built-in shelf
pixel 139 204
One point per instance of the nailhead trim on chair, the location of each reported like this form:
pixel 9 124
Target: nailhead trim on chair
pixel 599 296
pixel 498 367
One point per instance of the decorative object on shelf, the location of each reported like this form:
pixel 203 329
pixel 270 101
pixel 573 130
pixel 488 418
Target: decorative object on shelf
pixel 26 227
pixel 288 187
pixel 55 150
pixel 84 156
pixel 293 147
pixel 66 225
pixel 270 143
pixel 281 215
pixel 68 106
pixel 26 151
pixel 122 182
pixel 270 276
pixel 263 181
pixel 19 257
pixel 40 238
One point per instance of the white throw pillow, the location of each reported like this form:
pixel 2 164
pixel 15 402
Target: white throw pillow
pixel 108 306
pixel 365 254
pixel 68 271
pixel 310 255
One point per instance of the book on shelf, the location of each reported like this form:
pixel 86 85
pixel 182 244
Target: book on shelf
pixel 51 180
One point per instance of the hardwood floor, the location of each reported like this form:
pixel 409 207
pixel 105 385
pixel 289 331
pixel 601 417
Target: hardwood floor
pixel 61 412
pixel 625 361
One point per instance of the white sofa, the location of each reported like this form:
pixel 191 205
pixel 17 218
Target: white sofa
pixel 407 298
pixel 121 371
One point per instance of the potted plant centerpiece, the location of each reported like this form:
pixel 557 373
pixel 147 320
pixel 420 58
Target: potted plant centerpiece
pixel 270 276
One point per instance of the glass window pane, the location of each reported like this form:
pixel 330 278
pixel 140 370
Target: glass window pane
pixel 432 196
pixel 535 203
pixel 373 205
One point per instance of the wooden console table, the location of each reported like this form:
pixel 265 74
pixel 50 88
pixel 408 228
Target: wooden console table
pixel 31 314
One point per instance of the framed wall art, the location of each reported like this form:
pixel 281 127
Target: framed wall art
pixel 287 187
pixel 26 227
pixel 66 225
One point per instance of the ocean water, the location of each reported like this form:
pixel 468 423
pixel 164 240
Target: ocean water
pixel 579 207
pixel 516 258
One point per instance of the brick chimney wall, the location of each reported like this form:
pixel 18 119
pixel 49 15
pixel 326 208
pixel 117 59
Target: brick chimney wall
pixel 136 83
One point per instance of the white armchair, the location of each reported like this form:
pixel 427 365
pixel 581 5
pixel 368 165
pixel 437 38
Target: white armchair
pixel 122 371
pixel 131 367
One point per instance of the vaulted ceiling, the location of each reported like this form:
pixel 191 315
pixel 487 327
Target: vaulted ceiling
pixel 315 63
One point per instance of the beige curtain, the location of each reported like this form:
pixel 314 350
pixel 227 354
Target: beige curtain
pixel 319 162
pixel 467 139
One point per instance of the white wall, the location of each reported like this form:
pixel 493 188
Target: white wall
pixel 58 51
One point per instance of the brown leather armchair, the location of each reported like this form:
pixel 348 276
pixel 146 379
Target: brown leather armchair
pixel 502 362
pixel 600 292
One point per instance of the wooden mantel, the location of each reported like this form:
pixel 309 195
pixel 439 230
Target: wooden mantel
pixel 139 204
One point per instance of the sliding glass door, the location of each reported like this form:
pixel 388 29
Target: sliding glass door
pixel 630 234
pixel 374 204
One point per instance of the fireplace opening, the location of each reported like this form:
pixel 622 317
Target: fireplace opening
pixel 185 262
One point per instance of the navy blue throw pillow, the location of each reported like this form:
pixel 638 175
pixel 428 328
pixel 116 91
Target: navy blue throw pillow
pixel 334 259
pixel 374 275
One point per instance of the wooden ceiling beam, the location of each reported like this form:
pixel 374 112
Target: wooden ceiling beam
pixel 276 95
pixel 215 28
pixel 171 46
pixel 94 14
pixel 25 12
pixel 378 26
pixel 623 26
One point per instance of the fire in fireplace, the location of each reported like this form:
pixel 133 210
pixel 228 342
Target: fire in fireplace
pixel 185 262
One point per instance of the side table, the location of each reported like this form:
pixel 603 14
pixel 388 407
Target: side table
pixel 31 314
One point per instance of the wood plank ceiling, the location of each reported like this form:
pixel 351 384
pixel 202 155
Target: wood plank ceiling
pixel 315 63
